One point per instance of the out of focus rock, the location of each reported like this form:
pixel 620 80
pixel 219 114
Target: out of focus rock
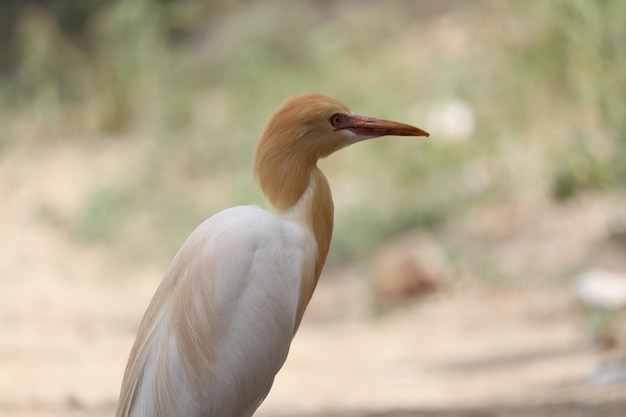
pixel 406 268
pixel 602 289
pixel 613 372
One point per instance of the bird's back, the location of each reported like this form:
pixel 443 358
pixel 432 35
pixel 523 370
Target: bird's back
pixel 241 265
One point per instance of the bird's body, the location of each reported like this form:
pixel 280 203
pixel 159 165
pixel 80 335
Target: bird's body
pixel 220 324
pixel 246 247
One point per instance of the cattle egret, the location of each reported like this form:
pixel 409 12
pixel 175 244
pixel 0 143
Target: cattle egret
pixel 219 326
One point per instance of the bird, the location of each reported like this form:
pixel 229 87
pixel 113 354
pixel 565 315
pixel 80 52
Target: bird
pixel 220 324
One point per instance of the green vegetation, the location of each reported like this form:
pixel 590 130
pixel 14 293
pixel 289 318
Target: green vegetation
pixel 195 81
pixel 578 56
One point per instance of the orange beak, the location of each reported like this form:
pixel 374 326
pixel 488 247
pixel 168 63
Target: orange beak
pixel 371 127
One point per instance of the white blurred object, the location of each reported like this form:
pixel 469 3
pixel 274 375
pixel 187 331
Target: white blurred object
pixel 602 289
pixel 613 372
pixel 453 119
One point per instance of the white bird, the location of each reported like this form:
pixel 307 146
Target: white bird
pixel 221 322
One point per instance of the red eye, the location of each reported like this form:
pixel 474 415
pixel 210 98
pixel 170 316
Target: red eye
pixel 336 119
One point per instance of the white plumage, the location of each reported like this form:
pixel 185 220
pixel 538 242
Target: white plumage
pixel 249 264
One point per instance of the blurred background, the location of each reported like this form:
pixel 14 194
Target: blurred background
pixel 479 272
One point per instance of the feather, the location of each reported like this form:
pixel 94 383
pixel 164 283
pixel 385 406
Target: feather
pixel 242 264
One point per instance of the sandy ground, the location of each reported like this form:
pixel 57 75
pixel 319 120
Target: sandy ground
pixel 68 316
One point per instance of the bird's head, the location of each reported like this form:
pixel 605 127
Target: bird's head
pixel 305 128
pixel 315 126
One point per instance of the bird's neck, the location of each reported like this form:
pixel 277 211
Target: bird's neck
pixel 314 210
pixel 300 193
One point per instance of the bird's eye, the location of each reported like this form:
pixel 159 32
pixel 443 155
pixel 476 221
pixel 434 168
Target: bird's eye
pixel 336 119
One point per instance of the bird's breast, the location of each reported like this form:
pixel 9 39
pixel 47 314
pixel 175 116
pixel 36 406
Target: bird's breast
pixel 254 264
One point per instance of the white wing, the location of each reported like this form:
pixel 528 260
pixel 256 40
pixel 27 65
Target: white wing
pixel 219 327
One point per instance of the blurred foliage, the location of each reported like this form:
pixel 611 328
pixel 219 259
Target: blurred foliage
pixel 577 53
pixel 193 82
pixel 578 171
pixel 603 327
